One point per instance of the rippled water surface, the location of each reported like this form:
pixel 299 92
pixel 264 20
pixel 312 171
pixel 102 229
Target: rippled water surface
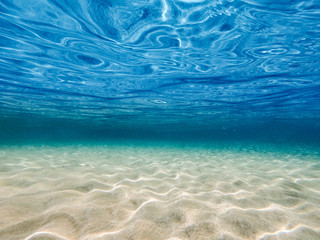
pixel 159 60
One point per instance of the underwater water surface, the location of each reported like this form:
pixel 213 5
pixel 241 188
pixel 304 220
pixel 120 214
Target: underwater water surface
pixel 145 63
pixel 159 119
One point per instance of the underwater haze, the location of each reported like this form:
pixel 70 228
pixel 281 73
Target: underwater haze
pixel 159 119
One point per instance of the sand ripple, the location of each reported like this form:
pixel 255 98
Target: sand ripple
pixel 101 193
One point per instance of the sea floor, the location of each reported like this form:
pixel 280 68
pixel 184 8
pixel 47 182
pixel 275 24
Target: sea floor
pixel 158 192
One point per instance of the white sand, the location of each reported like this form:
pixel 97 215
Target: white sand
pixel 92 193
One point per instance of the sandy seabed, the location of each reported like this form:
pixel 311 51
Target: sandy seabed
pixel 117 192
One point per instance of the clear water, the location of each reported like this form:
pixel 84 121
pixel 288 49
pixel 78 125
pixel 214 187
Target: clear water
pixel 159 119
pixel 145 63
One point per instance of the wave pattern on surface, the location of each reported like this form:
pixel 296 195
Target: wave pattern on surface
pixel 157 193
pixel 156 58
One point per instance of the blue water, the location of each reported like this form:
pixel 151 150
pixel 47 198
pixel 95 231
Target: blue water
pixel 159 119
pixel 160 68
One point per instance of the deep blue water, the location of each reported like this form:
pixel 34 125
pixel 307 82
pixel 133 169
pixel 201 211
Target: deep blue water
pixel 188 68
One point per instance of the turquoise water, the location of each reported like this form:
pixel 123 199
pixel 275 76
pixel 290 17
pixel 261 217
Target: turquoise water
pixel 94 70
pixel 159 63
pixel 159 119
